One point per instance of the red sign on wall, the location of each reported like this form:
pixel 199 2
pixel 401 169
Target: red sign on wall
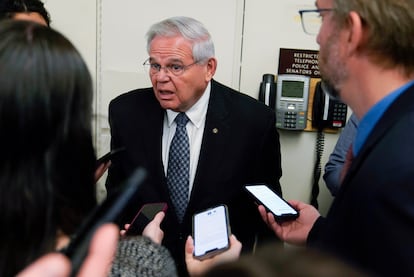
pixel 299 61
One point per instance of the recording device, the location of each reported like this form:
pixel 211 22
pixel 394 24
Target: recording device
pixel 144 216
pixel 292 93
pixel 273 203
pixel 211 231
pixel 106 212
pixel 267 92
pixel 109 156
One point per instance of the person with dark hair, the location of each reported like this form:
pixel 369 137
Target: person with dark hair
pixel 33 10
pixel 200 141
pixel 47 169
pixel 366 55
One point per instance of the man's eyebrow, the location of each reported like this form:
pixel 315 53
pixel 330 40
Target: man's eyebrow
pixel 173 60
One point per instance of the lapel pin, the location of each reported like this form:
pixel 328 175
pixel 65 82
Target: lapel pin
pixel 215 130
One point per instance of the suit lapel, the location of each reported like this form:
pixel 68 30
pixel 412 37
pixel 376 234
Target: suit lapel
pixel 215 137
pixel 153 130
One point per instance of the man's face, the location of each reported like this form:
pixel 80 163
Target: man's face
pixel 31 16
pixel 331 60
pixel 178 93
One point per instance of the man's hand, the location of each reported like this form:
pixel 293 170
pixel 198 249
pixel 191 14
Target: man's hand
pixel 97 263
pixel 152 230
pixel 196 267
pixel 295 231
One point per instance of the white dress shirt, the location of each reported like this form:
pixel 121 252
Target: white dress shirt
pixel 195 129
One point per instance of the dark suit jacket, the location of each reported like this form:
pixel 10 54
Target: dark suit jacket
pixel 371 221
pixel 245 149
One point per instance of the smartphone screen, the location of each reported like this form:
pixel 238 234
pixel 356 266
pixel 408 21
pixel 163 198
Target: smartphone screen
pixel 272 202
pixel 144 216
pixel 211 232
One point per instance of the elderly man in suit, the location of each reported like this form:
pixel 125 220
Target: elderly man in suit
pixel 230 138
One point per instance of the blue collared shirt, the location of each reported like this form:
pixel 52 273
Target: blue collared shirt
pixel 368 122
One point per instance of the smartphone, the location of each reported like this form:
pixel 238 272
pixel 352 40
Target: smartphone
pixel 211 231
pixel 109 156
pixel 108 211
pixel 273 203
pixel 144 216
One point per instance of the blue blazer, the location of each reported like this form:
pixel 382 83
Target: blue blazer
pixel 245 149
pixel 371 221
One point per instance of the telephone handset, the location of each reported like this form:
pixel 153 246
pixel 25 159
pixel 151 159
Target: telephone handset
pixel 327 112
pixel 267 92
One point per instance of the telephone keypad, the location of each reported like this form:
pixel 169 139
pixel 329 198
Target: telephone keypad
pixel 339 115
pixel 291 120
pixel 340 111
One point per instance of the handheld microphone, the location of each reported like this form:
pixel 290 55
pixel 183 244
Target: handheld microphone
pixel 106 212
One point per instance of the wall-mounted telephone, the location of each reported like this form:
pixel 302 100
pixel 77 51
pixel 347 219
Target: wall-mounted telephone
pixel 292 93
pixel 327 112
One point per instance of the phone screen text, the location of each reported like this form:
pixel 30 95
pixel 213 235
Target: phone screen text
pixel 271 200
pixel 210 231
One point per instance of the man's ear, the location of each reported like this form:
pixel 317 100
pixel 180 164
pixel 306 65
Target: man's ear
pixel 211 68
pixel 355 38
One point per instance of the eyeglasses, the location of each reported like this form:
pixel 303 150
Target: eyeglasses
pixel 175 69
pixel 312 20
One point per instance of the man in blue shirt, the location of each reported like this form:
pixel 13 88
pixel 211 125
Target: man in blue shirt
pixel 337 158
pixel 366 55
